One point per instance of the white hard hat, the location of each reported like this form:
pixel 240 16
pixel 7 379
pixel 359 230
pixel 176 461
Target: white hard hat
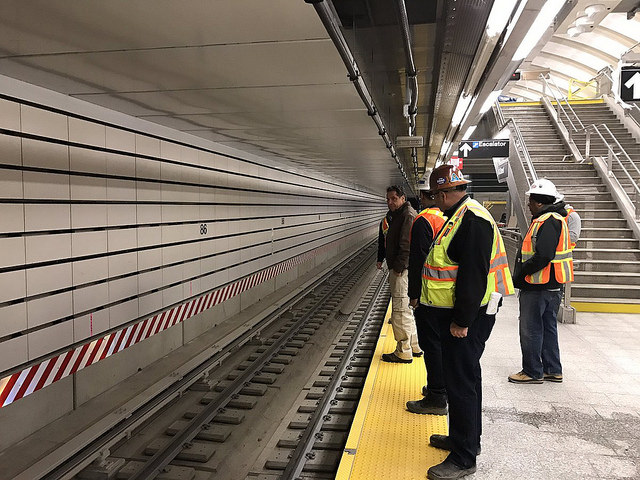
pixel 543 186
pixel 423 183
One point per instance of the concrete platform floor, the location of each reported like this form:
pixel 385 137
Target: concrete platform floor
pixel 587 427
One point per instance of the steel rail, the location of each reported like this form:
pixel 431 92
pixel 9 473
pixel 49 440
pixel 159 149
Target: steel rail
pixel 305 443
pixel 168 452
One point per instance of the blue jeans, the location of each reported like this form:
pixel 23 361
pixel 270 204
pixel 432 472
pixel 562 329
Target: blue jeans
pixel 539 332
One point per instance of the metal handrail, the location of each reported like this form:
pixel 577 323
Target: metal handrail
pixel 519 142
pixel 611 155
pixel 625 106
pixel 559 104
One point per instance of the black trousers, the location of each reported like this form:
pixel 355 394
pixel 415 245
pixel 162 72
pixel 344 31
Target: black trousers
pixel 429 341
pixel 463 381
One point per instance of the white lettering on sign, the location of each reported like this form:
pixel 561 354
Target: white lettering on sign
pixel 492 143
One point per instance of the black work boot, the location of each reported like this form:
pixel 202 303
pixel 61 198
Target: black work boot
pixel 443 442
pixel 431 404
pixel 448 470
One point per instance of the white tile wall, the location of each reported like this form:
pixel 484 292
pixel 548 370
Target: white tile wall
pixel 149 281
pixel 91 324
pixel 150 303
pixel 14 352
pixel 89 298
pixel 120 140
pixel 122 214
pixel 123 313
pixel 40 248
pixel 172 295
pixel 45 123
pixel 90 215
pixel 122 288
pixel 47 217
pixel 148 191
pixel 89 133
pixel 36 153
pixel 46 186
pixel 147 145
pixel 86 271
pixel 11 216
pixel 88 188
pixel 122 239
pixel 123 263
pixel 45 279
pixel 46 309
pixel 10 150
pixel 12 251
pixel 123 190
pixel 88 243
pixel 85 160
pixel 149 236
pixel 50 339
pixel 9 115
pixel 149 258
pixel 13 285
pixel 13 318
pixel 11 184
pixel 149 214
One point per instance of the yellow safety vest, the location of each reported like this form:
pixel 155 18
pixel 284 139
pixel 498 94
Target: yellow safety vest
pixel 563 259
pixel 433 216
pixel 440 272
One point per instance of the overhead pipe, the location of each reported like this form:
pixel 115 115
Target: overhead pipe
pixel 327 18
pixel 412 80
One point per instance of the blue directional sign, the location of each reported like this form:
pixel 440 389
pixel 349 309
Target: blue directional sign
pixel 484 148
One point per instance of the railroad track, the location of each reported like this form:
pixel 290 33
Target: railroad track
pixel 214 424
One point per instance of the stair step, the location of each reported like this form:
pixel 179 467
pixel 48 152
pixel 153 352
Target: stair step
pixel 602 291
pixel 614 265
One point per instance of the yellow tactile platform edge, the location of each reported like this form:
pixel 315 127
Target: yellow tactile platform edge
pixel 572 102
pixel 386 442
pixel 606 307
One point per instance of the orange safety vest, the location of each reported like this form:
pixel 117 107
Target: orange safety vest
pixel 563 259
pixel 434 218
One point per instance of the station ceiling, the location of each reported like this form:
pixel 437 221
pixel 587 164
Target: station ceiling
pixel 265 77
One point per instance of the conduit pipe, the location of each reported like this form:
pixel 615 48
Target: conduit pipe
pixel 327 17
pixel 412 80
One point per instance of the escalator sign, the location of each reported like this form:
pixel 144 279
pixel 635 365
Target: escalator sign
pixel 484 148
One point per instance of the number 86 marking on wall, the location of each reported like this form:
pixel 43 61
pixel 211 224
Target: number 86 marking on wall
pixel 203 229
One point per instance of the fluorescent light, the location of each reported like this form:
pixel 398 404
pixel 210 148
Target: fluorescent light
pixel 490 100
pixel 593 10
pixel 461 109
pixel 500 13
pixel 445 148
pixel 469 132
pixel 583 20
pixel 541 23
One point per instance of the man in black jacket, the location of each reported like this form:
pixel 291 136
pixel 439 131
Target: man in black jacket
pixel 543 265
pixel 425 227
pixel 397 256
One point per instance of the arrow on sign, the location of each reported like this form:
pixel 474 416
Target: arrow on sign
pixel 634 82
pixel 466 148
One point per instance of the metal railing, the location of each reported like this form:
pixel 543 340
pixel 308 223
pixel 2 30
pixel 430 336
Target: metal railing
pixel 521 147
pixel 612 155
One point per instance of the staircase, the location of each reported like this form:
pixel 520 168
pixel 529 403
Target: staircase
pixel 607 256
pixel 598 114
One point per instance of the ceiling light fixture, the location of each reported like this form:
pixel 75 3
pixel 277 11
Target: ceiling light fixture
pixel 500 12
pixel 469 132
pixel 461 109
pixel 493 96
pixel 543 20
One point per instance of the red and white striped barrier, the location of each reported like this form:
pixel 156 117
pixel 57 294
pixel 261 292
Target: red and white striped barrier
pixel 35 377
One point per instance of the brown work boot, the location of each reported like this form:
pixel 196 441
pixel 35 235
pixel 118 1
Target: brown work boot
pixel 522 377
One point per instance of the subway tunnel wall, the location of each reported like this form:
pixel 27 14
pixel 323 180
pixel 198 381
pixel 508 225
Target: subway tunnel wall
pixel 121 240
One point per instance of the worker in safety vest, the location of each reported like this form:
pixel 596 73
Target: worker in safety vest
pixel 464 277
pixel 543 265
pixel 382 238
pixel 573 221
pixel 425 227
